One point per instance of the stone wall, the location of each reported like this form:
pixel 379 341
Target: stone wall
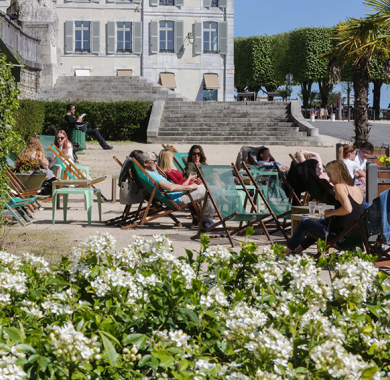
pixel 29 83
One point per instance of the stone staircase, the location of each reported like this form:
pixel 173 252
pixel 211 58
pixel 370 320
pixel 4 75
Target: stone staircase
pixel 107 89
pixel 247 123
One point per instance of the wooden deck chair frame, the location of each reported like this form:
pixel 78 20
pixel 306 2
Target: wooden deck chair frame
pixel 20 207
pixel 293 157
pixel 156 209
pixel 258 191
pixel 220 226
pixel 290 189
pixel 251 160
pixel 72 171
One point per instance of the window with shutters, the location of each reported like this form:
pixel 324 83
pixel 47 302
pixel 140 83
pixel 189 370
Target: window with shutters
pixel 82 36
pixel 167 2
pixel 123 37
pixel 210 37
pixel 166 37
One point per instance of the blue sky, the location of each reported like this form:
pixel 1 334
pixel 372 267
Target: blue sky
pixel 255 17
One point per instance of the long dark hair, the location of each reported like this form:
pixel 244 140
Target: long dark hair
pixel 202 155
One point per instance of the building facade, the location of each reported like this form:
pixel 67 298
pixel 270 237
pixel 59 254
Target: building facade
pixel 186 45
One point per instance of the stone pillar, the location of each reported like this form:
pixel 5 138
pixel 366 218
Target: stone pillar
pixel 38 19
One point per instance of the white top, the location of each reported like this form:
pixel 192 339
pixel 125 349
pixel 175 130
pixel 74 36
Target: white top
pixel 352 166
pixel 361 162
pixel 54 160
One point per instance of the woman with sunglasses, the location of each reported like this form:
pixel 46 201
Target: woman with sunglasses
pixel 64 145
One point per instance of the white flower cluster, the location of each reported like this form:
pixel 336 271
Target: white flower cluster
pixel 32 308
pixel 13 282
pixel 10 261
pixel 264 375
pixel 41 265
pixel 217 255
pixel 97 245
pixel 270 271
pixel 354 279
pixel 8 369
pixel 272 343
pixel 178 338
pixel 244 320
pixel 306 279
pixel 79 269
pixel 129 257
pixel 332 358
pixel 73 346
pixel 215 297
pixel 53 307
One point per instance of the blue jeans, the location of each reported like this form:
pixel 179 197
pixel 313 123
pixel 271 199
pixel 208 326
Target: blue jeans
pixel 306 226
pixel 97 136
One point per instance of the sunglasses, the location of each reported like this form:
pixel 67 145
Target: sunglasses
pixel 60 138
pixel 154 161
pixel 196 154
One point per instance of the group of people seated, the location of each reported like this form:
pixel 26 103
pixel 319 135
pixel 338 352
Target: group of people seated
pixel 347 176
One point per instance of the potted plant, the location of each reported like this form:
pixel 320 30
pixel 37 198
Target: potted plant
pixel 28 172
pixel 385 161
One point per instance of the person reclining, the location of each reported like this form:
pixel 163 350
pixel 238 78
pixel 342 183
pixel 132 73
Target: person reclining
pixel 71 119
pixel 264 159
pixel 177 192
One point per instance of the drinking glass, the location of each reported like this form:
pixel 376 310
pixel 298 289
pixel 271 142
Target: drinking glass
pixel 321 209
pixel 312 208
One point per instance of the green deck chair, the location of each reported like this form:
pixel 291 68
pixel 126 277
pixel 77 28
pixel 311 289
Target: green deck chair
pixel 159 202
pixel 17 204
pixel 46 141
pixel 229 202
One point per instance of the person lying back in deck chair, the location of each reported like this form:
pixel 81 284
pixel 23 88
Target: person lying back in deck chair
pixel 176 192
pixel 264 158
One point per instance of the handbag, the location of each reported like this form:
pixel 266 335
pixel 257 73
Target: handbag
pixel 130 193
pixel 82 127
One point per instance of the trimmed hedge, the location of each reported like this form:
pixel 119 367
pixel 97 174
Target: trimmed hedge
pixel 29 118
pixel 116 121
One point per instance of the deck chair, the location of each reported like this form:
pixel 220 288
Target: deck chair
pixel 268 187
pixel 321 190
pixel 71 171
pixel 46 141
pixel 19 205
pixel 292 195
pixel 229 203
pixel 251 160
pixel 159 203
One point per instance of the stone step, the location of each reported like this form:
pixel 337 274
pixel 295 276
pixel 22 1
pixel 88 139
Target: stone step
pixel 228 118
pixel 228 134
pixel 237 141
pixel 260 137
pixel 211 129
pixel 224 124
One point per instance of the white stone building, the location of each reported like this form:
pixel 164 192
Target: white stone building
pixel 186 45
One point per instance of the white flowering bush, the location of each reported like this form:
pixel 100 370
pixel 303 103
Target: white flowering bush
pixel 144 313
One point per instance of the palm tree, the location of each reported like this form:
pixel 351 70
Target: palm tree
pixel 357 42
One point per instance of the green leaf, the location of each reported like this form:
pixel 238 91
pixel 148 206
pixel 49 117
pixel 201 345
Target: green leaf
pixel 43 361
pixel 112 355
pixel 14 334
pixel 166 362
pixel 183 365
pixel 374 309
pixel 138 339
pixel 24 347
pixel 154 362
pixel 80 324
pixel 109 336
pixel 145 359
pixel 192 314
pixel 368 373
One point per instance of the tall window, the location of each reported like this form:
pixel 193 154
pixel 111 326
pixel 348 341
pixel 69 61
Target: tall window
pixel 82 36
pixel 210 37
pixel 166 37
pixel 123 37
pixel 167 2
pixel 214 3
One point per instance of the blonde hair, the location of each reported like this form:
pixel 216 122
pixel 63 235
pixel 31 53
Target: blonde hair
pixel 33 146
pixel 339 173
pixel 348 149
pixel 165 159
pixel 308 156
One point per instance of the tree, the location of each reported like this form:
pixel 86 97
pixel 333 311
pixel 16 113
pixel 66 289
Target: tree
pixel 305 47
pixel 378 75
pixel 358 41
pixel 254 64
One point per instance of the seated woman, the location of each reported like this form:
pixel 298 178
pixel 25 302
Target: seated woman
pixel 196 158
pixel 349 155
pixel 335 221
pixel 165 162
pixel 63 145
pixel 124 175
pixel 264 159
pixel 34 151
pixel 304 155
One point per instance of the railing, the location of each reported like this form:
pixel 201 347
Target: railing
pixel 21 44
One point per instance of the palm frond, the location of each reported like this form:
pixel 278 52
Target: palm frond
pixel 380 6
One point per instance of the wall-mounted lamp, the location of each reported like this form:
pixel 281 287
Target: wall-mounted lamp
pixel 190 38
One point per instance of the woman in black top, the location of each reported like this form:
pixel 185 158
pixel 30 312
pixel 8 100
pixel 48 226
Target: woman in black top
pixel 335 221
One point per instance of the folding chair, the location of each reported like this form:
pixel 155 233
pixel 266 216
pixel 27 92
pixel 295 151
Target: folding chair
pixel 251 160
pixel 159 202
pixel 229 203
pixel 268 188
pixel 321 190
pixel 19 205
pixel 71 171
pixel 46 141
pixel 292 195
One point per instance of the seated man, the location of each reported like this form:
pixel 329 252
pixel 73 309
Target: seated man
pixel 177 192
pixel 264 159
pixel 70 118
pixel 365 151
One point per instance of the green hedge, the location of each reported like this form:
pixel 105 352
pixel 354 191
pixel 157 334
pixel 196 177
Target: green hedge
pixel 29 118
pixel 116 121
